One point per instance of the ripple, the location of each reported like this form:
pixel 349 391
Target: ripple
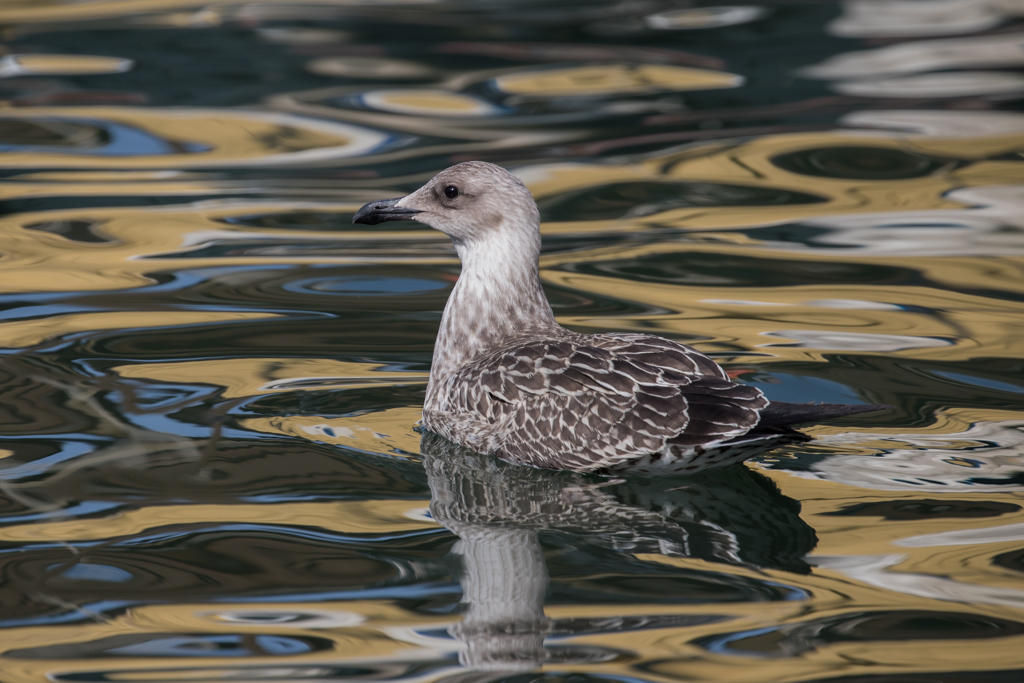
pixel 726 269
pixel 924 55
pixel 25 333
pixel 990 227
pixel 181 564
pixel 793 639
pixel 1012 560
pixel 311 618
pixel 975 381
pixel 298 219
pixel 945 84
pixel 611 79
pixel 551 93
pixel 43 133
pixel 364 286
pixel 62 65
pixel 831 340
pixel 945 124
pixel 428 103
pixel 255 376
pixel 74 230
pixel 293 35
pixel 370 68
pixel 878 570
pixel 860 163
pixel 639 199
pixel 188 138
pixel 178 645
pixel 982 455
pixel 993 534
pixel 704 17
pixel 874 19
pixel 927 508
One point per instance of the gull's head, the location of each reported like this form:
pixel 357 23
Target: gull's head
pixel 468 202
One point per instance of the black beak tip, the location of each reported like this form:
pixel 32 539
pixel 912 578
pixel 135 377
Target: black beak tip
pixel 382 210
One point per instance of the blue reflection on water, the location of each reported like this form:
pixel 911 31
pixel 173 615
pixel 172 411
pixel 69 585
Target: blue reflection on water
pixel 782 386
pixel 974 380
pixel 364 286
pixel 89 571
pixel 117 140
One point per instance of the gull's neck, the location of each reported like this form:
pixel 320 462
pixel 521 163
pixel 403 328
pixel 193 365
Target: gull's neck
pixel 498 297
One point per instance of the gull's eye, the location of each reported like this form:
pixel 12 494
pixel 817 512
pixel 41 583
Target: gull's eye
pixel 451 192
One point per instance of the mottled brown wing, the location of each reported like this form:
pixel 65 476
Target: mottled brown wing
pixel 599 400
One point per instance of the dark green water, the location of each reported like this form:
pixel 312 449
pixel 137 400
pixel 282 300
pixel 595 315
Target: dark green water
pixel 210 378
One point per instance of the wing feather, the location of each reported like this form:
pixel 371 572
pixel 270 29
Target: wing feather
pixel 594 401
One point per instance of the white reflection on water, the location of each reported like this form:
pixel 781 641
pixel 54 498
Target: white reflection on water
pixel 703 17
pixel 945 84
pixel 271 614
pixel 957 461
pixel 992 226
pixel 951 67
pixel 828 340
pixel 892 18
pixel 877 570
pixel 926 55
pixel 937 123
pixel 993 534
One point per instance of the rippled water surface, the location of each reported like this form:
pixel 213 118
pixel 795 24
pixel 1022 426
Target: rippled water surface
pixel 210 378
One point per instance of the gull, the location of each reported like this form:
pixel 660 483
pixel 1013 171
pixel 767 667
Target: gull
pixel 507 380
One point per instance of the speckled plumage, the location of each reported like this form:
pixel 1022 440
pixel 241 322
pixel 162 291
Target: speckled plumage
pixel 508 380
pixel 583 402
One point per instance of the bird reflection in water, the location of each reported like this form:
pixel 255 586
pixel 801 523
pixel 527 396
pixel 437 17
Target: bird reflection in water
pixel 734 516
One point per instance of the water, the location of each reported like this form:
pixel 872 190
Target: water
pixel 211 377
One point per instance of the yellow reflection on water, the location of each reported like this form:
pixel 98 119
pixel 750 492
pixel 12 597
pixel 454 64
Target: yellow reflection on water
pixel 378 516
pixel 184 138
pixel 33 331
pixel 374 431
pixel 804 322
pixel 752 163
pixel 428 103
pixel 69 65
pixel 142 240
pixel 378 431
pixel 613 79
pixel 256 376
pixel 360 631
pixel 31 11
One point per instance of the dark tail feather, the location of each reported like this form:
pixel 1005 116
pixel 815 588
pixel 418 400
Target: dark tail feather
pixel 781 414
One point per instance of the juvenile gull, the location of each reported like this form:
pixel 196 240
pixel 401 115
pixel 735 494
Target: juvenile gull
pixel 508 380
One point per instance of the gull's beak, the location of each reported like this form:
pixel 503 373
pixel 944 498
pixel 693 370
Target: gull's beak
pixel 383 210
